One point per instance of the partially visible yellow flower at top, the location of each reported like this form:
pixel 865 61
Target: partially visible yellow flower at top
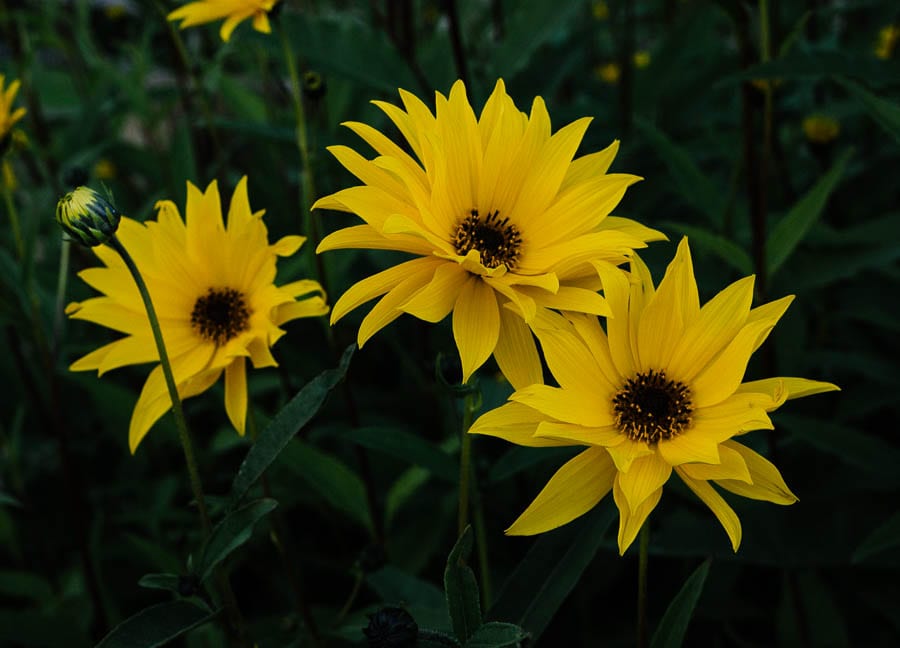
pixel 641 58
pixel 232 11
pixel 213 288
pixel 887 41
pixel 600 10
pixel 660 391
pixel 499 217
pixel 821 129
pixel 8 116
pixel 608 72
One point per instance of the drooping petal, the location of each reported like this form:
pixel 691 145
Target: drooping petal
pixel 766 481
pixel 476 325
pixel 625 453
pixel 690 446
pixel 434 301
pixel 631 520
pixel 785 388
pixel 236 394
pixel 573 491
pixel 516 353
pixel 724 513
pixel 732 466
pixel 645 476
pixel 380 283
pixel 515 423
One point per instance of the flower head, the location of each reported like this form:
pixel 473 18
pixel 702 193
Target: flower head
pixel 659 391
pixel 213 288
pixel 608 73
pixel 232 11
pixel 8 116
pixel 820 129
pixel 87 217
pixel 887 41
pixel 499 216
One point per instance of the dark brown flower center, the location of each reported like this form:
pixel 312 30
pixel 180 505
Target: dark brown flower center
pixel 496 239
pixel 220 315
pixel 650 407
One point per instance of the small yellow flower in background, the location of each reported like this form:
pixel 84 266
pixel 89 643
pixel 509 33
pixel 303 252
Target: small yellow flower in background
pixel 765 84
pixel 641 59
pixel 8 116
pixel 821 129
pixel 608 73
pixel 600 10
pixel 104 169
pixel 659 391
pixel 887 41
pixel 213 289
pixel 87 217
pixel 499 216
pixel 232 11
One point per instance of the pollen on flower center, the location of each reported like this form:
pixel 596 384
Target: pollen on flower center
pixel 496 239
pixel 220 315
pixel 650 407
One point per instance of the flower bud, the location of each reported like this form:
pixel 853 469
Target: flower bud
pixel 391 627
pixel 87 217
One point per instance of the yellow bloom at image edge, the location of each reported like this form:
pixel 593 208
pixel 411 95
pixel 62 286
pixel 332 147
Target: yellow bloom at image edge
pixel 659 391
pixel 87 217
pixel 233 12
pixel 213 289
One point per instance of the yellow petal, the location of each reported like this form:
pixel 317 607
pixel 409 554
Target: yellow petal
pixel 616 289
pixel 732 466
pixel 572 299
pixel 261 22
pixel 565 405
pixel 690 446
pixel 515 423
pixel 516 353
pixel 589 329
pixel 625 453
pixel 571 362
pixel 587 167
pixel 599 436
pixel 236 394
pixel 388 308
pixel 645 476
pixel 434 301
pixel 785 388
pixel 772 312
pixel 724 513
pixel 476 325
pixel 573 491
pixel 380 283
pixel 631 520
pixel 766 481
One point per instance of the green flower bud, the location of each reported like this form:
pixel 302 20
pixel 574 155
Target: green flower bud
pixel 87 217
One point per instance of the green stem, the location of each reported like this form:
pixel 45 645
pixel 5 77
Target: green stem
pixel 14 221
pixel 484 571
pixel 465 459
pixel 644 542
pixel 180 422
pixel 61 282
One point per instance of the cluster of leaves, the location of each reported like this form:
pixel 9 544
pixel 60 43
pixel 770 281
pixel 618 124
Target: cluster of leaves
pixel 366 490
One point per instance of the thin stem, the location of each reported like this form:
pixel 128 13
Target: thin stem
pixel 644 541
pixel 465 459
pixel 14 220
pixel 459 50
pixel 484 571
pixel 61 282
pixel 178 411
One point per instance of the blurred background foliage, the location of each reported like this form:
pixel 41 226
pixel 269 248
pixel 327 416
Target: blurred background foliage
pixel 767 132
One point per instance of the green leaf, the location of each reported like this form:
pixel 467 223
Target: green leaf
pixel 231 533
pixel 329 478
pixel 694 186
pixel 531 25
pixel 24 585
pixel 789 231
pixel 168 582
pixel 550 570
pixel 9 500
pixel 885 536
pixel 886 113
pixel 496 635
pixel 285 425
pixel 425 602
pixel 727 250
pixel 156 625
pixel 434 639
pixel 461 589
pixel 673 626
pixel 408 447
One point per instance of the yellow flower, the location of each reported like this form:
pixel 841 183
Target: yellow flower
pixel 887 41
pixel 8 116
pixel 820 129
pixel 641 58
pixel 233 11
pixel 104 169
pixel 497 214
pixel 600 10
pixel 608 73
pixel 213 289
pixel 660 390
pixel 87 217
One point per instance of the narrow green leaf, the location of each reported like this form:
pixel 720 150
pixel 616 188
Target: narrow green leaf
pixel 496 635
pixel 694 186
pixel 531 25
pixel 461 589
pixel 789 231
pixel 423 600
pixel 673 626
pixel 156 625
pixel 886 113
pixel 550 570
pixel 824 618
pixel 168 582
pixel 885 536
pixel 729 251
pixel 231 533
pixel 285 425
pixel 408 447
pixel 330 478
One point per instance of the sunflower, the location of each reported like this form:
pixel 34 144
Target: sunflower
pixel 8 116
pixel 500 217
pixel 659 391
pixel 213 289
pixel 233 11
